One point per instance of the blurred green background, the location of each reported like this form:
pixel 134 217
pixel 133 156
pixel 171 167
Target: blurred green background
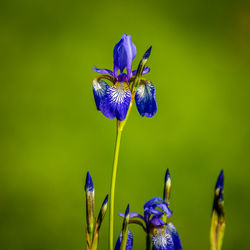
pixel 51 133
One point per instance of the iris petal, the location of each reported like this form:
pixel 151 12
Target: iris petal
pixel 157 221
pixel 165 208
pixel 132 215
pixel 161 240
pixel 145 99
pixel 129 244
pixel 170 229
pixel 145 71
pixel 154 201
pixel 115 102
pixel 103 71
pixel 124 53
pixel 152 210
pixel 99 89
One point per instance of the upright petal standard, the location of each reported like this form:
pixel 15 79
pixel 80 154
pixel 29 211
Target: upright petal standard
pixel 124 53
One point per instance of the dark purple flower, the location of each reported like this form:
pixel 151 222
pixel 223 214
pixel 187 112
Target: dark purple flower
pixel 113 101
pixel 125 238
pixel 129 244
pixel 163 234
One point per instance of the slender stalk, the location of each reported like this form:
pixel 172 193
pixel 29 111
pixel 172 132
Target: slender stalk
pixel 112 190
pixel 120 126
pixel 149 242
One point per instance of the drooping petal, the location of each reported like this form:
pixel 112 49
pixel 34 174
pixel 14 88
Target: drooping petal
pixel 99 89
pixel 145 99
pixel 170 229
pixel 161 240
pixel 129 244
pixel 165 208
pixel 145 71
pixel 103 71
pixel 152 210
pixel 154 201
pixel 132 215
pixel 124 53
pixel 115 102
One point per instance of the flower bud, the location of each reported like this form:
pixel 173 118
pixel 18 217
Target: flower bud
pixel 218 215
pixel 90 204
pixel 167 187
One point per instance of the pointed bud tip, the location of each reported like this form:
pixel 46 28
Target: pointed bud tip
pixel 147 53
pixel 89 186
pixel 167 175
pixel 220 181
pixel 105 200
pixel 127 211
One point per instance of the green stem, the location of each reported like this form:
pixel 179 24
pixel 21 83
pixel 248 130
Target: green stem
pixel 149 242
pixel 120 126
pixel 112 191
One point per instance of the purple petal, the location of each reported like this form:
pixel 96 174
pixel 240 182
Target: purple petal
pixel 161 240
pixel 220 181
pixel 154 201
pixel 103 71
pixel 122 77
pixel 152 210
pixel 170 229
pixel 145 71
pixel 145 99
pixel 165 208
pixel 99 89
pixel 89 186
pixel 124 53
pixel 132 215
pixel 156 220
pixel 129 244
pixel 116 101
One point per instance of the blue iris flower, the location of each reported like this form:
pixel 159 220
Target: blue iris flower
pixel 113 101
pixel 164 235
pixel 129 244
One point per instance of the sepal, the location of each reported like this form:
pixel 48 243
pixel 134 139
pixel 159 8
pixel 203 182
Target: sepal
pixel 99 90
pixel 115 102
pixel 145 98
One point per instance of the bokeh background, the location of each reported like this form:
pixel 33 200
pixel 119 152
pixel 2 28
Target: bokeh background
pixel 51 133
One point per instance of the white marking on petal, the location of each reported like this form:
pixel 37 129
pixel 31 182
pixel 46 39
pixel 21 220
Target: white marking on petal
pixel 144 90
pixel 99 87
pixel 161 239
pixel 141 90
pixel 119 92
